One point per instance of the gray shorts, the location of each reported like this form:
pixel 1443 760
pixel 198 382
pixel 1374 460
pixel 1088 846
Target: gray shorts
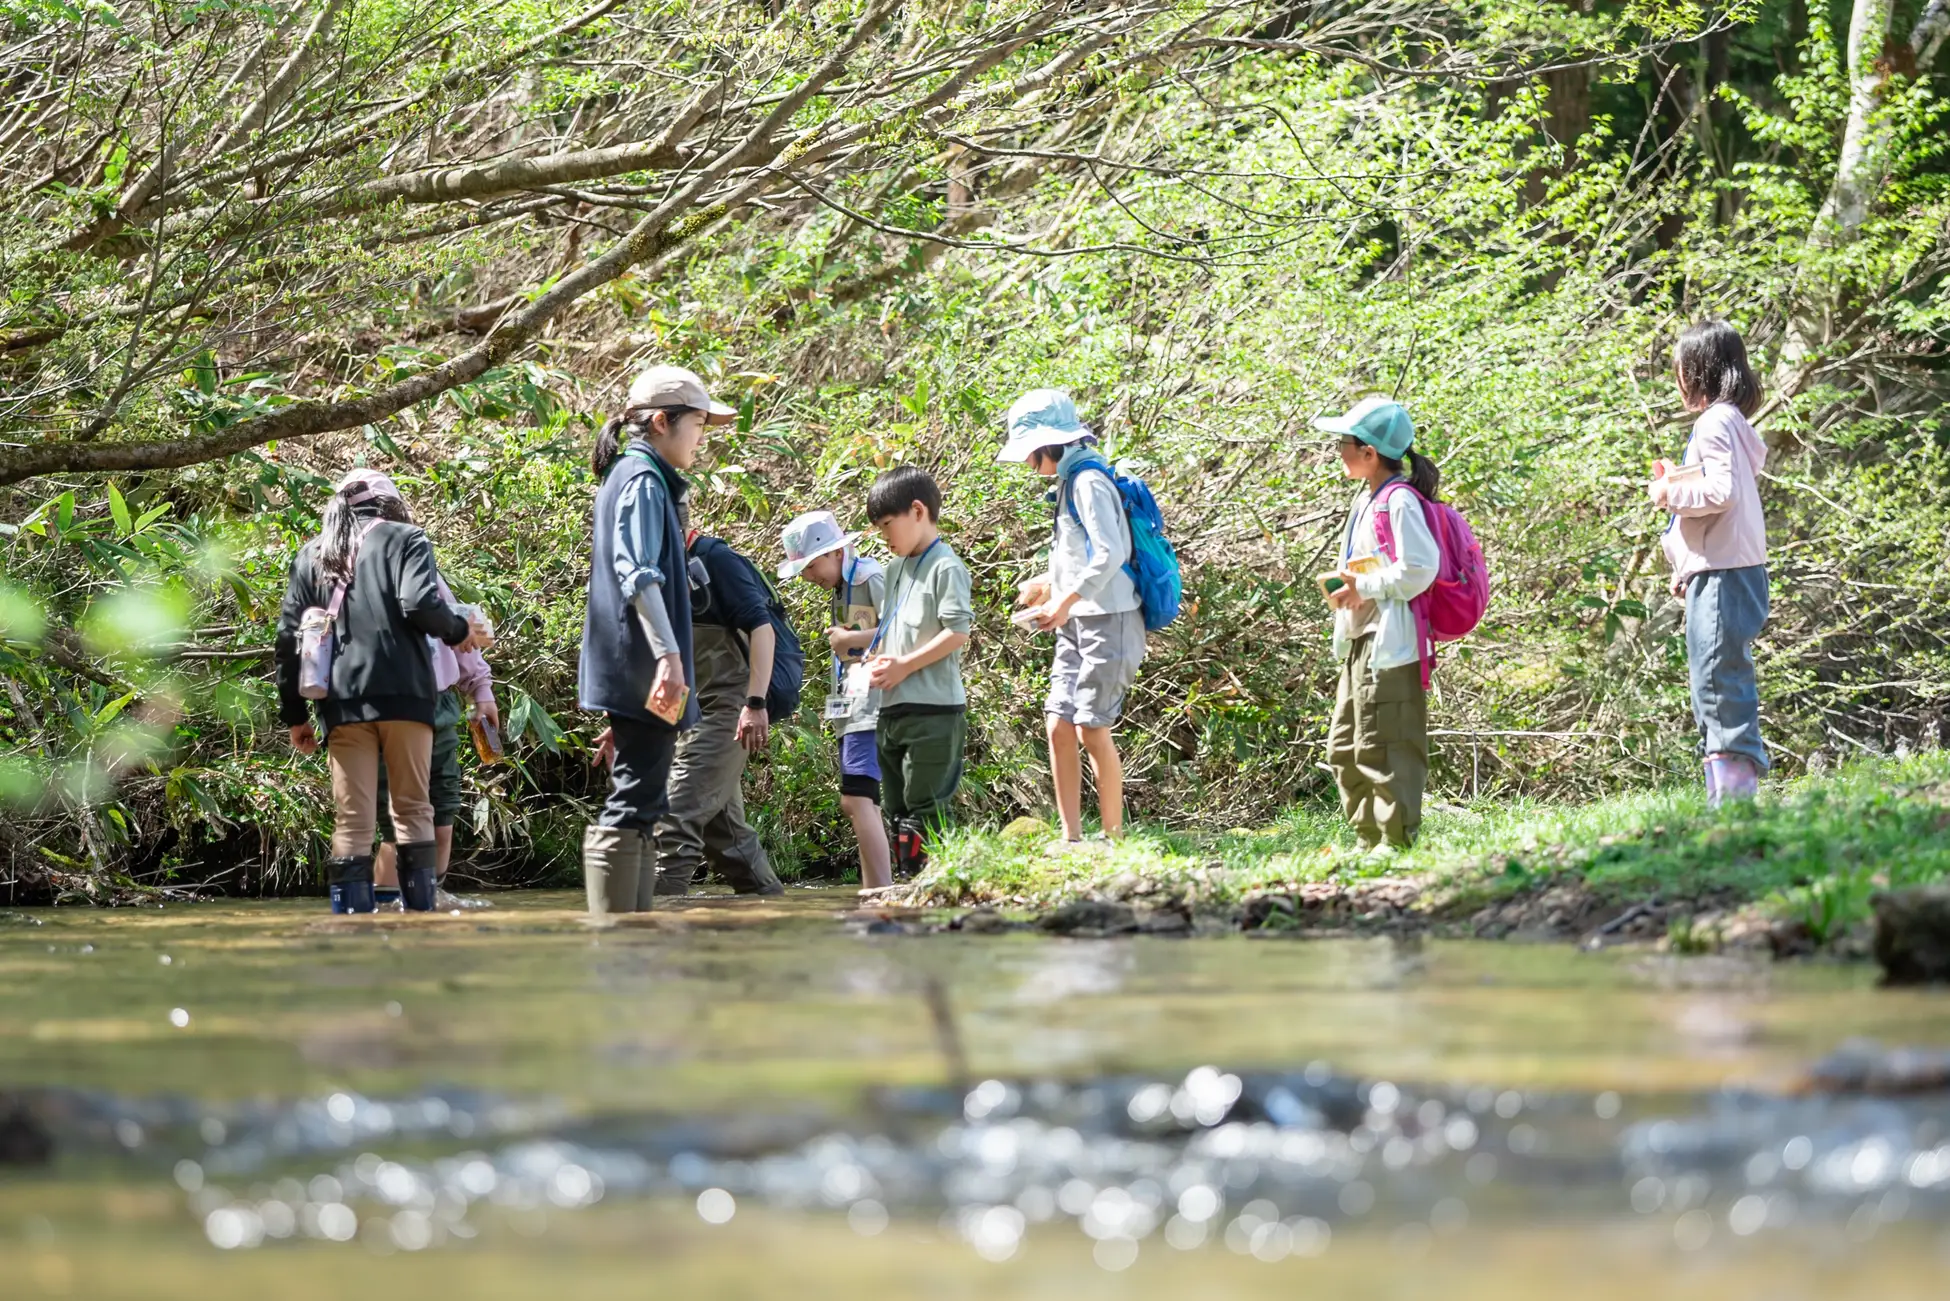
pixel 1097 658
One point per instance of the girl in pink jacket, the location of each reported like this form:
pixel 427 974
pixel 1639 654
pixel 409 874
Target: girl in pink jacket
pixel 1717 545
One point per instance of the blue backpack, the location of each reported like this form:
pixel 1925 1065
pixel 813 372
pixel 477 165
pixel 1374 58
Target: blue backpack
pixel 1153 565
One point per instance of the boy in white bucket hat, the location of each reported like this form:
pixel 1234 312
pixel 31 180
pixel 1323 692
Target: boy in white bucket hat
pixel 1087 598
pixel 818 551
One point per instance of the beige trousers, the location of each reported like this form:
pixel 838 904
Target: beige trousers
pixel 354 750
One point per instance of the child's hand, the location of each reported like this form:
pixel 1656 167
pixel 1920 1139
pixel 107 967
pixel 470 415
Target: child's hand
pixel 1347 596
pixel 1660 491
pixel 1055 614
pixel 845 641
pixel 304 739
pixel 1034 591
pixel 604 755
pixel 886 672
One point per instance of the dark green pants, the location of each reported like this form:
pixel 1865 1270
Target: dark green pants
pixel 1378 747
pixel 920 766
pixel 443 777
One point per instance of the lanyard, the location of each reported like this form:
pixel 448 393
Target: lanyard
pixel 912 577
pixel 1354 521
pixel 842 599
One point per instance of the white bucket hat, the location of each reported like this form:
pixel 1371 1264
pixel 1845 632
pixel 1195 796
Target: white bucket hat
pixel 808 537
pixel 1044 417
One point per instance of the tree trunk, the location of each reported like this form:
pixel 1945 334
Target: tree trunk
pixel 1858 176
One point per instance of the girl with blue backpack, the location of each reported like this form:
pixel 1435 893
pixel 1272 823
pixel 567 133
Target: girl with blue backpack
pixel 1088 597
pixel 1378 739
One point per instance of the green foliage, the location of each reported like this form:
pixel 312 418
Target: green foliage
pixel 1812 850
pixel 1275 235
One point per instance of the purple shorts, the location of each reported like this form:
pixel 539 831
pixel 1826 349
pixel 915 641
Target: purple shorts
pixel 860 765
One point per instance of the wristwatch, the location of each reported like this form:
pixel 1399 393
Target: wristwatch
pixel 754 702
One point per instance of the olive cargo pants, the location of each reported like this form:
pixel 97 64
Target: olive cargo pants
pixel 1378 747
pixel 920 766
pixel 706 822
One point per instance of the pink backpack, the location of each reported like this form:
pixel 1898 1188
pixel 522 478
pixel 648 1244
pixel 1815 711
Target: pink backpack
pixel 1455 602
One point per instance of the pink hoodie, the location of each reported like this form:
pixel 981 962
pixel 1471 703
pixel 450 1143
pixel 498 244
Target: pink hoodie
pixel 1717 522
pixel 468 668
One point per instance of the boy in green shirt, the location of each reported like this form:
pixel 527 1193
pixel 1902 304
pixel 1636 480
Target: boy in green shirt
pixel 914 660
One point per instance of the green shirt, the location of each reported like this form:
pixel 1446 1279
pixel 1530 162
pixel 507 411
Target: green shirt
pixel 926 594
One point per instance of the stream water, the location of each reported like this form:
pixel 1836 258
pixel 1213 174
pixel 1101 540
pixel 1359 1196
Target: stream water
pixel 735 1097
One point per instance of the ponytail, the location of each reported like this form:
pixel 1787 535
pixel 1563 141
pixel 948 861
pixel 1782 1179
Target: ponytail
pixel 609 441
pixel 1423 474
pixel 338 538
pixel 635 422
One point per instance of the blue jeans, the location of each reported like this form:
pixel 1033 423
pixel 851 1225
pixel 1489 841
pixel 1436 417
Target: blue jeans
pixel 1725 609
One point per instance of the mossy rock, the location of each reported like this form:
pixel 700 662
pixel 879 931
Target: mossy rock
pixel 1026 828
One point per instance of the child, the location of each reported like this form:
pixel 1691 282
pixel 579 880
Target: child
pixel 377 578
pixel 1087 598
pixel 1717 545
pixel 636 663
pixel 914 660
pixel 817 551
pixel 1378 740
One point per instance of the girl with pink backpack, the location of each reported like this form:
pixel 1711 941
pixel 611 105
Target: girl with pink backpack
pixel 1410 574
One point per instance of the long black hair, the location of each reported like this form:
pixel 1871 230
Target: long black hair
pixel 338 534
pixel 618 430
pixel 1711 366
pixel 1424 475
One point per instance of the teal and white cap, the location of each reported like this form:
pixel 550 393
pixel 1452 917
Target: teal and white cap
pixel 1043 417
pixel 1381 423
pixel 809 537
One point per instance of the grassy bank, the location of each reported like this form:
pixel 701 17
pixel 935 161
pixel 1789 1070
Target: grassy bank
pixel 1810 851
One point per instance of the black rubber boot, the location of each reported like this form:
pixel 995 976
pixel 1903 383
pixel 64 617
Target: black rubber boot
pixel 351 880
pixel 416 884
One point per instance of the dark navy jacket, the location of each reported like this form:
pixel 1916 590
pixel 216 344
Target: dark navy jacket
pixel 617 664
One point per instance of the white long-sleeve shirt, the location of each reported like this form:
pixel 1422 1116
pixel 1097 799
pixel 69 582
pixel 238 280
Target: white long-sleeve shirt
pixel 1390 588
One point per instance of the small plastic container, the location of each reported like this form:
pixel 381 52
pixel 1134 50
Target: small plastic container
pixel 474 614
pixel 487 741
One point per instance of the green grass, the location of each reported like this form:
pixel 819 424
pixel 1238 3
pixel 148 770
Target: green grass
pixel 1812 849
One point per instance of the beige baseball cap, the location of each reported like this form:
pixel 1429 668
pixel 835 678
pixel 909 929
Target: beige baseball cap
pixel 673 386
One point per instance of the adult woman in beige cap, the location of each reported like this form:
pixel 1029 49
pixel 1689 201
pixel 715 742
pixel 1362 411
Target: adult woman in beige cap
pixel 636 642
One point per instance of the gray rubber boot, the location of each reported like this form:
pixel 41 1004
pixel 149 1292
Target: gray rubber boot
pixel 612 861
pixel 649 883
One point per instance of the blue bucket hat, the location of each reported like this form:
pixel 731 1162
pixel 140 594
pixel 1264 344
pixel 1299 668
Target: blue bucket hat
pixel 1380 422
pixel 1043 417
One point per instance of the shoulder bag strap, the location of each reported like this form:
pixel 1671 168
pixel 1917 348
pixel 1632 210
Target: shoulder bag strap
pixel 338 591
